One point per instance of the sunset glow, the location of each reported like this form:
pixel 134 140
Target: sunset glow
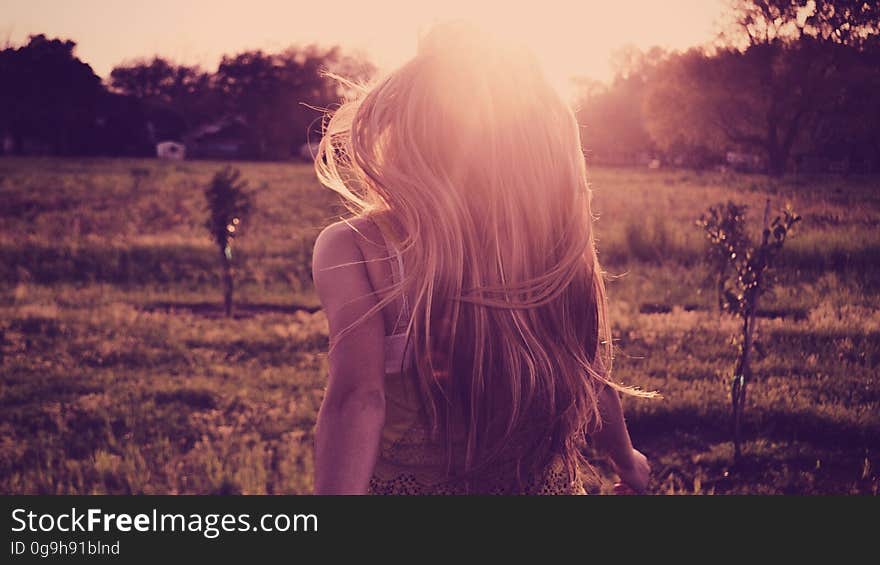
pixel 570 38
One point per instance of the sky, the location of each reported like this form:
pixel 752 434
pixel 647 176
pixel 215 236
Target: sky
pixel 570 38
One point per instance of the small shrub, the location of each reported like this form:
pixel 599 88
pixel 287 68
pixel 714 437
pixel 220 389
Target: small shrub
pixel 228 203
pixel 741 268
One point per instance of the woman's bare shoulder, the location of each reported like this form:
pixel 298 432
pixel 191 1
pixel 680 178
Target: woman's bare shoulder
pixel 343 244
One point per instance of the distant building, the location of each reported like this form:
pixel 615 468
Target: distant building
pixel 172 150
pixel 223 139
pixel 745 162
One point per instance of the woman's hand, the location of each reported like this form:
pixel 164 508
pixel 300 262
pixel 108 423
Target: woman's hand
pixel 634 473
pixel 613 438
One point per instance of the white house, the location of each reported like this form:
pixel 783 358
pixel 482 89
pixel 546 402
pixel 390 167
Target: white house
pixel 173 150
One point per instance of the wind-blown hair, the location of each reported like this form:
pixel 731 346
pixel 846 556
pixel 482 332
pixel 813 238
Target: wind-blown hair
pixel 471 162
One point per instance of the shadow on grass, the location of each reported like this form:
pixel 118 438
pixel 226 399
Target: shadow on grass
pixel 694 428
pixel 797 314
pixel 216 309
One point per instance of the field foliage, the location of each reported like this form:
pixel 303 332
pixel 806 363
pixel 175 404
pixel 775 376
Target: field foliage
pixel 120 374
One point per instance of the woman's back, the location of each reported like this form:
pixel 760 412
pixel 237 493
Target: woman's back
pixel 412 460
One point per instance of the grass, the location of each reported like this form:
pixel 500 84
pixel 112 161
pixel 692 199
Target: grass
pixel 120 376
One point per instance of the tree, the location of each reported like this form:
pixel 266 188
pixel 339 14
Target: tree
pixel 175 98
pixel 158 79
pixel 846 130
pixel 783 67
pixel 123 128
pixel 842 22
pixel 276 94
pixel 50 98
pixel 229 203
pixel 743 269
pixel 760 100
pixel 611 116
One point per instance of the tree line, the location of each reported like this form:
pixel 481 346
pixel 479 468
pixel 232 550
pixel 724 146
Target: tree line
pixel 53 103
pixel 791 85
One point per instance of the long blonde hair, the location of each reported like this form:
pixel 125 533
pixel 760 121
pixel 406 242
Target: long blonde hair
pixel 474 164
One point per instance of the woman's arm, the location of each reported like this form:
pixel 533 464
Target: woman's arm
pixel 613 438
pixel 353 410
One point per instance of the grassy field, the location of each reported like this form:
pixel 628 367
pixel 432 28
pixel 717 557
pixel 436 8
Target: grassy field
pixel 119 375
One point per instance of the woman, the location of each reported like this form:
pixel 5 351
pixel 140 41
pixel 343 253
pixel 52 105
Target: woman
pixel 470 349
